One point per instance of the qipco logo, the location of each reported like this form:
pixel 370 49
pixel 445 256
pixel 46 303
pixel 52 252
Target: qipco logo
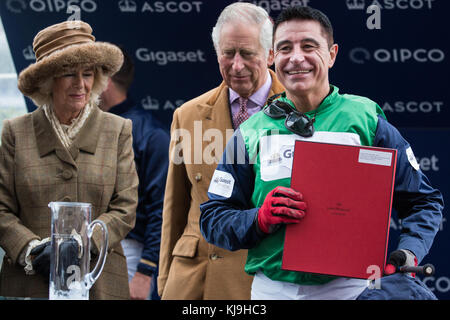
pixel 437 284
pixel 363 55
pixel 18 6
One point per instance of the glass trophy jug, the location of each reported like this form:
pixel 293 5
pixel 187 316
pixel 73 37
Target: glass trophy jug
pixel 70 276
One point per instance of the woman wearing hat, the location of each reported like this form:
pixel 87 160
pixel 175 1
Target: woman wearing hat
pixel 66 150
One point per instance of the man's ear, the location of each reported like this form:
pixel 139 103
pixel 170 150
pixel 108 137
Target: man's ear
pixel 270 58
pixel 333 54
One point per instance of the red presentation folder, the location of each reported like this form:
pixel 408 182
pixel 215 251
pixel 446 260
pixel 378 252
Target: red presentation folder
pixel 348 191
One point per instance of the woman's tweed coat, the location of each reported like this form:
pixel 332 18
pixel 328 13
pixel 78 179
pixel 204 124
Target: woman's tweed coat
pixel 36 169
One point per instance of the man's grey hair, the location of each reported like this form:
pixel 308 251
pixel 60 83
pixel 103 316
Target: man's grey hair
pixel 249 14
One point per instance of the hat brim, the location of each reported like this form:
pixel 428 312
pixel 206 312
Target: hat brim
pixel 102 54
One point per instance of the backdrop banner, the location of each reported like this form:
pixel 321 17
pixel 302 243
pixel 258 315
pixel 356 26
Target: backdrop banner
pixel 394 52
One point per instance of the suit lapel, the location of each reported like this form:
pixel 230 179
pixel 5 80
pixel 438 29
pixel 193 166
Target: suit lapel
pixel 222 110
pixel 215 113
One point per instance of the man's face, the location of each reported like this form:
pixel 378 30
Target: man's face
pixel 242 62
pixel 303 57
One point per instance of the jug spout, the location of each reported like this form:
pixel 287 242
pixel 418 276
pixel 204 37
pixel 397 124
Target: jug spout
pixel 52 206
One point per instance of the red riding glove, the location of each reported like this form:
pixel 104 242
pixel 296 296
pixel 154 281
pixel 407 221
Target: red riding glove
pixel 281 206
pixel 398 259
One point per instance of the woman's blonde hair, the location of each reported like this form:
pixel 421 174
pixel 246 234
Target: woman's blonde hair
pixel 44 95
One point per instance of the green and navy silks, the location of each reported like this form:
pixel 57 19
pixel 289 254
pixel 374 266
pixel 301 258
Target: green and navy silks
pixel 258 158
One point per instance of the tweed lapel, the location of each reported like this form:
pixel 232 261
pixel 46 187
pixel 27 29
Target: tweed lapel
pixel 46 138
pixel 88 136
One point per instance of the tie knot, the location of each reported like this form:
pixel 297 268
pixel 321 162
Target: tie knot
pixel 242 114
pixel 243 102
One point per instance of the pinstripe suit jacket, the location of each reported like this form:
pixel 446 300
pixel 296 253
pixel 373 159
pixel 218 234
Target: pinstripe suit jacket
pixel 36 169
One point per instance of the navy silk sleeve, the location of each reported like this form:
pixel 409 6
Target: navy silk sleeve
pixel 418 204
pixel 228 219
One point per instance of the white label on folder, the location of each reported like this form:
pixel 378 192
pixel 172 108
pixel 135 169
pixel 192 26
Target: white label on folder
pixel 381 158
pixel 277 151
pixel 222 184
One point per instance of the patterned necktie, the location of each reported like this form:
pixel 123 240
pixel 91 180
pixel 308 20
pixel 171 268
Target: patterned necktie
pixel 242 114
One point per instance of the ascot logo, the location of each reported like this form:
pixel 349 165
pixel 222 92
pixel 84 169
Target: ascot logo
pixel 391 4
pixel 149 103
pixel 356 4
pixel 127 6
pixel 130 6
pixel 413 106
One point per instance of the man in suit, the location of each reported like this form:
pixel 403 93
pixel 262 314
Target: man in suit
pixel 190 268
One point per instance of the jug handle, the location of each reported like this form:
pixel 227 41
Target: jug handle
pixel 95 273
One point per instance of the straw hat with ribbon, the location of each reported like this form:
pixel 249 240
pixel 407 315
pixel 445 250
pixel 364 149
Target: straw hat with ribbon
pixel 61 48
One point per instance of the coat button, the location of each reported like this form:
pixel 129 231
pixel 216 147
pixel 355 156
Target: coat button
pixel 214 256
pixel 198 177
pixel 67 174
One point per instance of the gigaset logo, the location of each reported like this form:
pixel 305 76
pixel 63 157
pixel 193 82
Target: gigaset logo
pixel 429 163
pixel 402 55
pixel 162 58
pixel 18 6
pixel 278 5
pixel 288 153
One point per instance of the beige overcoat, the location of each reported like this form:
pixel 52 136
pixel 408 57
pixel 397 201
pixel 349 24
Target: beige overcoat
pixel 190 268
pixel 36 169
